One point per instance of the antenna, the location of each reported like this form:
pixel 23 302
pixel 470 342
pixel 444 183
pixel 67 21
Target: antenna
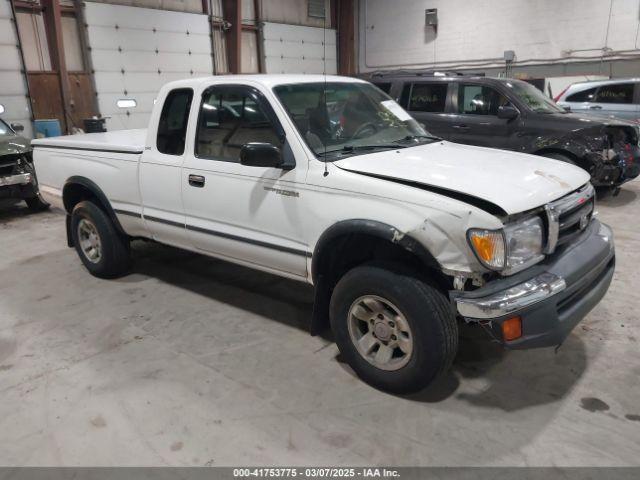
pixel 324 92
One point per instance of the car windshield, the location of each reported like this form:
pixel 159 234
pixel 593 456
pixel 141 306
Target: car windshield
pixel 534 98
pixel 340 118
pixel 4 129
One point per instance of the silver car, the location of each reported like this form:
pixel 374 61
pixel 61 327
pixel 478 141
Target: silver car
pixel 618 98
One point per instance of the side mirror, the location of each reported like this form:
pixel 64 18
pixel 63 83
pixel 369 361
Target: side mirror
pixel 257 154
pixel 17 127
pixel 507 112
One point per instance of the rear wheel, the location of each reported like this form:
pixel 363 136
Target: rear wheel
pixel 397 332
pixel 103 250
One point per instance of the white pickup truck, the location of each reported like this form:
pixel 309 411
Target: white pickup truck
pixel 326 180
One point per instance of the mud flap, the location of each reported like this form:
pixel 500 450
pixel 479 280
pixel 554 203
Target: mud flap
pixel 320 316
pixel 69 236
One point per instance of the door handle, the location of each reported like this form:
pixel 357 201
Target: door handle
pixel 463 128
pixel 196 181
pixel 595 107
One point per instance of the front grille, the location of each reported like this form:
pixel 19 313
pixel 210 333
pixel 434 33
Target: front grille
pixel 569 216
pixel 573 221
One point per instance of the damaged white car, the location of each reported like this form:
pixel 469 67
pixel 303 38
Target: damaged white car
pixel 326 180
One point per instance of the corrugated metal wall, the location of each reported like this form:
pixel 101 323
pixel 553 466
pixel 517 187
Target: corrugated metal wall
pixel 13 87
pixel 134 51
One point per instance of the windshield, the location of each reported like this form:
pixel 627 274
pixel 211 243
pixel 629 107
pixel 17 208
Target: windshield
pixel 4 129
pixel 352 117
pixel 534 98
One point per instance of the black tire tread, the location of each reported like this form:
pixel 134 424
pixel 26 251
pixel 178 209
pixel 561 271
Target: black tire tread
pixel 444 335
pixel 561 157
pixel 116 250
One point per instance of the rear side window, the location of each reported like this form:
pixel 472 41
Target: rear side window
pixel 480 100
pixel 172 128
pixel 620 93
pixel 583 96
pixel 428 97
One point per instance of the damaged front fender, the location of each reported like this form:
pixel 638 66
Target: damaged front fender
pixel 608 151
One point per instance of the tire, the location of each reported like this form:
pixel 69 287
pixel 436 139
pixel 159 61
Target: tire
pixel 423 309
pixel 36 204
pixel 103 250
pixel 561 157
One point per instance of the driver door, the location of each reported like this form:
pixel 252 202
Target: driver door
pixel 247 214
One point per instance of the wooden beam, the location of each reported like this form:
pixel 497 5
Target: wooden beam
pixel 257 8
pixel 52 14
pixel 22 6
pixel 346 31
pixel 87 62
pixel 232 12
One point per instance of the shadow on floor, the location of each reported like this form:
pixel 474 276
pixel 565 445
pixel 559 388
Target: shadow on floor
pixel 11 208
pixel 511 380
pixel 605 197
pixel 260 293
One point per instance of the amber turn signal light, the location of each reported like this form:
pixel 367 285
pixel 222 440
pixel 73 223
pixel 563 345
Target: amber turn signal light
pixel 512 328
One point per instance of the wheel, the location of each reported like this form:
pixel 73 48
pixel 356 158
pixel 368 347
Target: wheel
pixel 397 332
pixel 36 204
pixel 561 157
pixel 102 249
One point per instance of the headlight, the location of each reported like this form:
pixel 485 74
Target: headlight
pixel 524 243
pixel 514 248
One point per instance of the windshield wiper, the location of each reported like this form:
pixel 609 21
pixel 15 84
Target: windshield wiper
pixel 409 138
pixel 357 148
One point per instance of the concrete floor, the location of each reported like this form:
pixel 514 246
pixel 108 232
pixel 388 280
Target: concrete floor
pixel 191 361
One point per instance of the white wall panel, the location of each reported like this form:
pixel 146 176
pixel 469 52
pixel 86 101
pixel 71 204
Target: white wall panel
pixel 294 12
pixel 480 31
pixel 13 87
pixel 298 49
pixel 134 51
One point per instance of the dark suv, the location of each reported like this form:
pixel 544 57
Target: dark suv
pixel 514 115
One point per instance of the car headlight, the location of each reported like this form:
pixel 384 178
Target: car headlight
pixel 511 249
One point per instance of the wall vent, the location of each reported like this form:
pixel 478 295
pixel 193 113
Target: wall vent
pixel 316 8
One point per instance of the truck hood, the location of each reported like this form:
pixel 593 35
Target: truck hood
pixel 13 144
pixel 514 182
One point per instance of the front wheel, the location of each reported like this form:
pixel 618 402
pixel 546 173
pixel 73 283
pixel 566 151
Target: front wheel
pixel 103 250
pixel 396 331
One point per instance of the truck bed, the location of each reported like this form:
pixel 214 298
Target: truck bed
pixel 119 141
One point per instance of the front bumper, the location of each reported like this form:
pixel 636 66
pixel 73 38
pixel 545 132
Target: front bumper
pixel 18 179
pixel 550 298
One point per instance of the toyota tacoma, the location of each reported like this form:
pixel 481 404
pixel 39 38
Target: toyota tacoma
pixel 327 180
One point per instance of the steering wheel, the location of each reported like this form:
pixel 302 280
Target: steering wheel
pixel 368 127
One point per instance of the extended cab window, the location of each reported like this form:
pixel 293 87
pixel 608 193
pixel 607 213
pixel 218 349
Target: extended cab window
pixel 620 93
pixel 428 97
pixel 172 129
pixel 479 100
pixel 228 120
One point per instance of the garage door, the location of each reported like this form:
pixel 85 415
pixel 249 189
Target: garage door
pixel 298 49
pixel 13 89
pixel 134 51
